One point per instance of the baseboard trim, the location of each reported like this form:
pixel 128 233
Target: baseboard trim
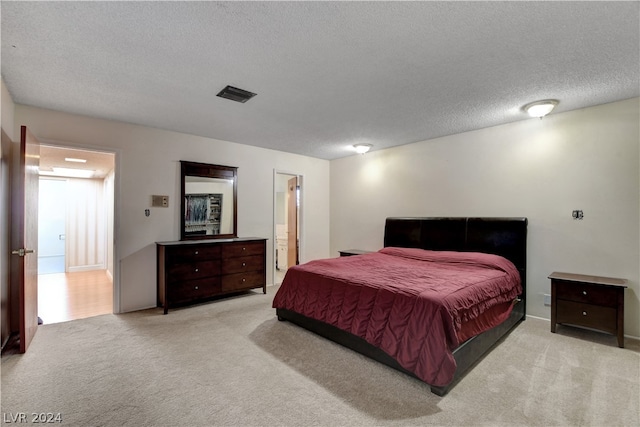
pixel 86 268
pixel 536 317
pixel 632 337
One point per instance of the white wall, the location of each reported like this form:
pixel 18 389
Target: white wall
pixel 86 225
pixel 148 162
pixel 7 112
pixel 586 159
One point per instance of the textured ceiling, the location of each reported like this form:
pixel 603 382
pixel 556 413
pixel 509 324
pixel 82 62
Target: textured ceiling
pixel 327 74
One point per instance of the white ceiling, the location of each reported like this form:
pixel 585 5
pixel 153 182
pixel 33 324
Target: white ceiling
pixel 98 162
pixel 327 74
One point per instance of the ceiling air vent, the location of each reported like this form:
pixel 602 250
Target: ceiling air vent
pixel 235 94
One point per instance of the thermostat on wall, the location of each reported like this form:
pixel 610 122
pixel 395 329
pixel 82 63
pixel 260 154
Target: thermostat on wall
pixel 160 201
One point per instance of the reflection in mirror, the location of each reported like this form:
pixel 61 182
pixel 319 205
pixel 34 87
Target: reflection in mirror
pixel 208 206
pixel 208 201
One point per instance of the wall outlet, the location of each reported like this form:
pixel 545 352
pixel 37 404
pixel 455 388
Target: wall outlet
pixel 547 299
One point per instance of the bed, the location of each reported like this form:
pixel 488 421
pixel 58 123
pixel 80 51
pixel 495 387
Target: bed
pixel 432 323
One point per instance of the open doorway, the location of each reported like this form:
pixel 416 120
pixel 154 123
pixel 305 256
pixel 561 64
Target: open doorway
pixel 287 206
pixel 75 233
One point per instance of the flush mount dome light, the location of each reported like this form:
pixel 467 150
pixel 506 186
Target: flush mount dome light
pixel 362 148
pixel 540 108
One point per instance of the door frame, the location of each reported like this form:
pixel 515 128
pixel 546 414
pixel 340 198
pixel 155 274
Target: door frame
pixel 274 245
pixel 116 207
pixel 6 175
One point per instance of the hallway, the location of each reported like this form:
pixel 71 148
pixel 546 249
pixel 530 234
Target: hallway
pixel 69 296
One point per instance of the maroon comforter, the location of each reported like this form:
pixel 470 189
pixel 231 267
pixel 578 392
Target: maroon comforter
pixel 411 303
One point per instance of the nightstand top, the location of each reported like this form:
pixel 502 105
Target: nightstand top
pixel 347 252
pixel 597 280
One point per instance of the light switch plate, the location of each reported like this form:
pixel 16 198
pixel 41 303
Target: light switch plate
pixel 160 201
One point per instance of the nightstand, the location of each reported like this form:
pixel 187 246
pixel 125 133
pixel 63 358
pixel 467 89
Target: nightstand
pixel 590 301
pixel 351 252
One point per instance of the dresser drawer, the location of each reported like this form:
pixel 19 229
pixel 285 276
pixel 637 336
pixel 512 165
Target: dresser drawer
pixel 233 250
pixel 582 292
pixel 192 253
pixel 240 264
pixel 194 270
pixel 589 315
pixel 193 289
pixel 239 281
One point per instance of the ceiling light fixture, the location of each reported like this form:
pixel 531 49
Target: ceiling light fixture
pixel 540 108
pixel 70 173
pixel 74 160
pixel 362 148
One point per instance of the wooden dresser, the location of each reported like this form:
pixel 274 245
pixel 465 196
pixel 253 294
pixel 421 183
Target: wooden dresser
pixel 589 301
pixel 197 270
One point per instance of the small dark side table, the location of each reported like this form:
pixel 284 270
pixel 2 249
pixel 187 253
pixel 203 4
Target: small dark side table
pixel 589 301
pixel 351 252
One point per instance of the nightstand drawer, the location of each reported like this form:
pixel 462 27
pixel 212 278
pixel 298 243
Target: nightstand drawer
pixel 589 315
pixel 590 294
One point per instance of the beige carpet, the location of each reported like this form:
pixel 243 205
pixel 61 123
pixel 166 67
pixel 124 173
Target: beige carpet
pixel 232 363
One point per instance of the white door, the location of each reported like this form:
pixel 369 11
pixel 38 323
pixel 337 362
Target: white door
pixel 51 226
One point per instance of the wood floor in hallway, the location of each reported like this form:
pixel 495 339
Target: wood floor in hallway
pixel 70 296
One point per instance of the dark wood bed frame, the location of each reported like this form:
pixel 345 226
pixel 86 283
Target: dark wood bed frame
pixel 506 237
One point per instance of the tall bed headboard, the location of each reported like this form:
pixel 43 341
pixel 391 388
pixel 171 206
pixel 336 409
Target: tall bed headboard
pixel 506 237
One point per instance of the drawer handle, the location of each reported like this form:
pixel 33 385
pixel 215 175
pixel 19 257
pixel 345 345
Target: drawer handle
pixel 244 280
pixel 197 270
pixel 244 249
pixel 196 288
pixel 584 292
pixel 244 264
pixel 196 252
pixel 584 313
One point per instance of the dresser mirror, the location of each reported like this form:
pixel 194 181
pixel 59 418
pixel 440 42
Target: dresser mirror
pixel 208 202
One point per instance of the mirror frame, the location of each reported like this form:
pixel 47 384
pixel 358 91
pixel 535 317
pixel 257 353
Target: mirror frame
pixel 208 171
